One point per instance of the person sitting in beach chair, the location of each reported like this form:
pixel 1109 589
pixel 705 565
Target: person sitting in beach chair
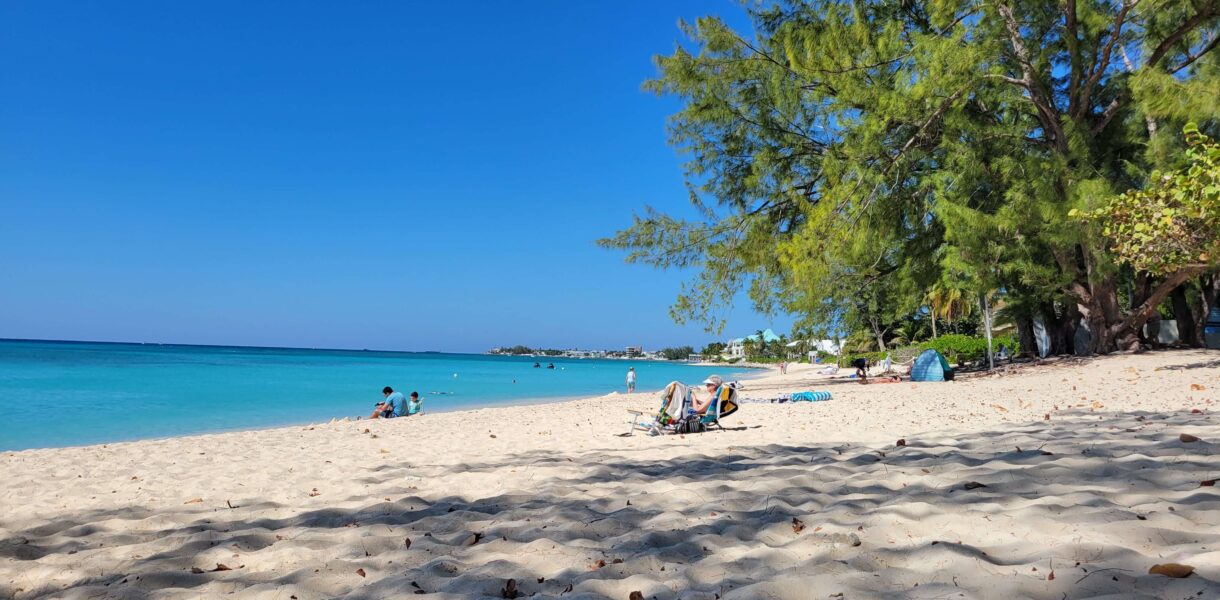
pixel 683 412
pixel 721 402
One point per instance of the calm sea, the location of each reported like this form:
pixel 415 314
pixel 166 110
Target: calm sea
pixel 71 393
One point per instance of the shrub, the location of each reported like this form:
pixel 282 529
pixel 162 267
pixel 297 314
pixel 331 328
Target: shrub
pixel 965 348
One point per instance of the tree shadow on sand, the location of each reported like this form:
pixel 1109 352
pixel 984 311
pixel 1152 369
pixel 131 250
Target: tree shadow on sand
pixel 1095 499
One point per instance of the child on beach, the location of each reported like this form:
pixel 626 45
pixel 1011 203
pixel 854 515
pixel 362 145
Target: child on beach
pixel 630 380
pixel 413 406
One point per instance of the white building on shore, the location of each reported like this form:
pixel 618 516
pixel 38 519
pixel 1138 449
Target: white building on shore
pixel 736 347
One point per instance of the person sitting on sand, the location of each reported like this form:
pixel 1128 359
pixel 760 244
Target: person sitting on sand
pixel 861 365
pixel 413 406
pixel 385 409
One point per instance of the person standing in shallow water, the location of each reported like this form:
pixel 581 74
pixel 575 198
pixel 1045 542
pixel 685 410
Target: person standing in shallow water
pixel 631 380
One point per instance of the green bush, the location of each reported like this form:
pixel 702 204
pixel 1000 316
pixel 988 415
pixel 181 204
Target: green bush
pixel 956 348
pixel 966 348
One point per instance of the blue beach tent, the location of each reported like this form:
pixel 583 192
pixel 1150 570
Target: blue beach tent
pixel 931 366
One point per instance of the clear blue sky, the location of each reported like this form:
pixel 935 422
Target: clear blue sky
pixel 398 175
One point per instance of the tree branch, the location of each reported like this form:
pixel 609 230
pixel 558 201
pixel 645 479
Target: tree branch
pixel 1106 116
pixel 1103 61
pixel 1140 315
pixel 1073 44
pixel 1046 111
pixel 1190 58
pixel 1173 38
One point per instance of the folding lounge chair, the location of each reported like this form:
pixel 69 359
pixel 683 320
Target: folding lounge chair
pixel 674 401
pixel 676 409
pixel 723 404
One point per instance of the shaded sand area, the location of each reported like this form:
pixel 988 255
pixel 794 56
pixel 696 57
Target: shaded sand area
pixel 1066 480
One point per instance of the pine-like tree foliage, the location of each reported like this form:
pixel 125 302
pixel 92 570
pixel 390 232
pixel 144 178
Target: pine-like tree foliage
pixel 848 157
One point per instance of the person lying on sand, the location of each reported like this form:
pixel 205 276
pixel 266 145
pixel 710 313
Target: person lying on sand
pixel 385 409
pixel 888 379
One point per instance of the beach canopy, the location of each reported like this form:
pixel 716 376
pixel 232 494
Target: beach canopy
pixel 931 366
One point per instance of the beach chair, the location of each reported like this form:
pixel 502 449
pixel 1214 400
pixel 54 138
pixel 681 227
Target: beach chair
pixel 678 415
pixel 723 404
pixel 675 398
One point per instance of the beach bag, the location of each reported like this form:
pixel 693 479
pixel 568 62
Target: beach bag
pixel 691 424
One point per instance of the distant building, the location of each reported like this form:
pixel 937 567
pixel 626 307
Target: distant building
pixel 736 347
pixel 815 346
pixel 634 351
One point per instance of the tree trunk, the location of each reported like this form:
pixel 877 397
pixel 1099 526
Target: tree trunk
pixel 933 326
pixel 1140 292
pixel 1123 332
pixel 1025 336
pixel 1061 328
pixel 987 326
pixel 1188 334
pixel 878 333
pixel 1103 313
pixel 1209 285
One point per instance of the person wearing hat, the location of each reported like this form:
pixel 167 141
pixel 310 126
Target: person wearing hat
pixel 712 384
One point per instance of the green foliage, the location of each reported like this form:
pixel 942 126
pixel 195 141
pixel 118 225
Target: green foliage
pixel 855 163
pixel 713 349
pixel 969 348
pixel 955 347
pixel 679 353
pixel 1174 222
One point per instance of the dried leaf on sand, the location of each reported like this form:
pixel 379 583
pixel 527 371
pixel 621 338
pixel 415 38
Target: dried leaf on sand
pixel 1175 570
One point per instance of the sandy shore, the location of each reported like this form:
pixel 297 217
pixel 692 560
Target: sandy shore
pixel 1086 484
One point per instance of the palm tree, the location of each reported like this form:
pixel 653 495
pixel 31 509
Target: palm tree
pixel 946 300
pixel 748 348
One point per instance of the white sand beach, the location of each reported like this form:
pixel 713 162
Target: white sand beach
pixel 1086 483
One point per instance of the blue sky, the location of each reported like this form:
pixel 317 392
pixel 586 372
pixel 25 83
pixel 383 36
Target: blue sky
pixel 393 175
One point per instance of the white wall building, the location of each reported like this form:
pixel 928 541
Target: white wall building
pixel 736 347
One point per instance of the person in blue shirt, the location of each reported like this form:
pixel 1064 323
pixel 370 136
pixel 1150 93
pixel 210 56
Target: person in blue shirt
pixel 386 408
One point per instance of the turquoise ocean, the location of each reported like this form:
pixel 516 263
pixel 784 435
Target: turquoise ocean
pixel 56 394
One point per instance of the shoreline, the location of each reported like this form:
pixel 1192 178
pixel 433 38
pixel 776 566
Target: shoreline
pixel 1075 461
pixel 505 403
